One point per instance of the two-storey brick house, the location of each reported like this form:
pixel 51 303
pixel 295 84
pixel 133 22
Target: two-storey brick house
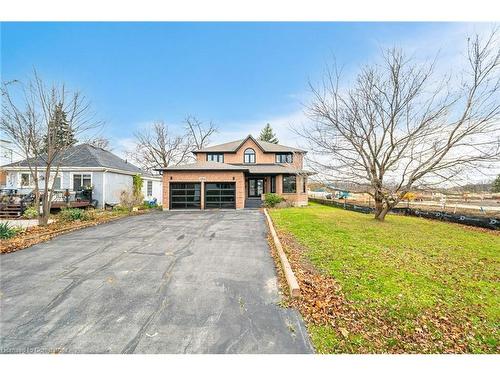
pixel 236 175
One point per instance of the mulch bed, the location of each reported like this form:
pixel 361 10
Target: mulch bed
pixel 34 235
pixel 322 303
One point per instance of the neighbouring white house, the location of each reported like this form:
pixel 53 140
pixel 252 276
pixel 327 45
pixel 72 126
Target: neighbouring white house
pixel 6 156
pixel 85 165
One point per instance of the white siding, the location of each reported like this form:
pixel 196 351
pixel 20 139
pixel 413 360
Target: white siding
pixel 114 184
pixel 157 189
pixel 107 185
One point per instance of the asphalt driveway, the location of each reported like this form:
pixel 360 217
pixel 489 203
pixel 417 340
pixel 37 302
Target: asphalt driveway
pixel 166 282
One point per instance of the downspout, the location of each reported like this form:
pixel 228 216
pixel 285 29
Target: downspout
pixel 104 188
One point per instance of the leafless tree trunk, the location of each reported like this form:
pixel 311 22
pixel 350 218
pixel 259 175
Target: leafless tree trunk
pixel 399 126
pixel 198 133
pixel 29 119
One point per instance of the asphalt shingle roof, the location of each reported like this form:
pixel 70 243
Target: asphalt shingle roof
pixel 234 145
pixel 85 155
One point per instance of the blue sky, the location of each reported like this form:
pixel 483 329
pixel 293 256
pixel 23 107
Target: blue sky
pixel 239 75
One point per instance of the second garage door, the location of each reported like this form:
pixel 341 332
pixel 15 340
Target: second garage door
pixel 220 195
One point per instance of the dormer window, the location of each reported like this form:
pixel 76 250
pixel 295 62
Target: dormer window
pixel 284 158
pixel 217 157
pixel 249 155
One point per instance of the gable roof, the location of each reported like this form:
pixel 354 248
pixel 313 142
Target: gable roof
pixel 235 145
pixel 87 156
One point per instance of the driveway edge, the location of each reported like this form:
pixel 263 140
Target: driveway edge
pixel 293 284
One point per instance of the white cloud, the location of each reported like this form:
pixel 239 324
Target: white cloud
pixel 280 124
pixel 449 41
pixel 122 145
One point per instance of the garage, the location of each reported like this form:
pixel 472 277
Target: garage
pixel 185 195
pixel 220 195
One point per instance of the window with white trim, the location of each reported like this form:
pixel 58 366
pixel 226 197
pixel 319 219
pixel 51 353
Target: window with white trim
pixel 26 179
pixel 150 188
pixel 56 182
pixel 81 180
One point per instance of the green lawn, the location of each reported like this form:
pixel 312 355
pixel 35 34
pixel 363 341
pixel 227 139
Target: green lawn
pixel 398 273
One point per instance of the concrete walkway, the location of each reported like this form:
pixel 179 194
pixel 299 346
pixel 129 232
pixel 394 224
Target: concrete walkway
pixel 165 282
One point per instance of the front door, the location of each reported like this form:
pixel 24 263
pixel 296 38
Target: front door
pixel 255 187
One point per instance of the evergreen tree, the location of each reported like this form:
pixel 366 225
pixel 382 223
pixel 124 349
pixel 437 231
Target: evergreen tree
pixel 268 135
pixel 59 131
pixel 496 185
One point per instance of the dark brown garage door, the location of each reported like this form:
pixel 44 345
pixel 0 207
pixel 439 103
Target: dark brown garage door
pixel 185 195
pixel 220 195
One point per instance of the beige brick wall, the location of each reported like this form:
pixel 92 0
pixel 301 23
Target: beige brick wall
pixel 260 157
pixel 204 176
pixel 298 198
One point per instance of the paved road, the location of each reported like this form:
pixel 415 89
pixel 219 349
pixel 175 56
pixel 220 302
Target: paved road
pixel 178 282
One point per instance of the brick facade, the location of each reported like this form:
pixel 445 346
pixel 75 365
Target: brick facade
pixel 260 156
pixel 239 177
pixel 202 177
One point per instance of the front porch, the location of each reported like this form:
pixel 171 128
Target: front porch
pixel 292 187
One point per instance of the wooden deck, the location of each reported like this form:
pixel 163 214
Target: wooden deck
pixel 72 204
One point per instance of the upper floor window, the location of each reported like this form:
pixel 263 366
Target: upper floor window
pixel 284 158
pixel 249 155
pixel 219 158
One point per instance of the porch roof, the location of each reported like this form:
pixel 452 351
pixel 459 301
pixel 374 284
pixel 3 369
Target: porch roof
pixel 248 168
pixel 274 169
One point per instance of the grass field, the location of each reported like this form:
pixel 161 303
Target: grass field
pixel 416 285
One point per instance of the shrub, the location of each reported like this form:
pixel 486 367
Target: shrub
pixel 30 213
pixel 137 185
pixel 149 204
pixel 72 214
pixel 129 199
pixel 8 231
pixel 284 204
pixel 272 199
pixel 119 208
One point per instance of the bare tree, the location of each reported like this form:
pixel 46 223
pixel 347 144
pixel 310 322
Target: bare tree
pixel 34 120
pixel 399 126
pixel 158 147
pixel 198 133
pixel 100 142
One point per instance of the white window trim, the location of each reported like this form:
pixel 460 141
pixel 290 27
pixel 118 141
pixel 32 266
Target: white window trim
pixel 147 188
pixel 31 182
pixel 71 174
pixel 53 175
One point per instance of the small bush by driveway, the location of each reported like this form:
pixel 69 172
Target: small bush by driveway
pixel 404 285
pixel 164 282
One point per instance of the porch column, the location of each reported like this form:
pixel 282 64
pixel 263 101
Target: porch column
pixel 202 194
pixel 279 184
